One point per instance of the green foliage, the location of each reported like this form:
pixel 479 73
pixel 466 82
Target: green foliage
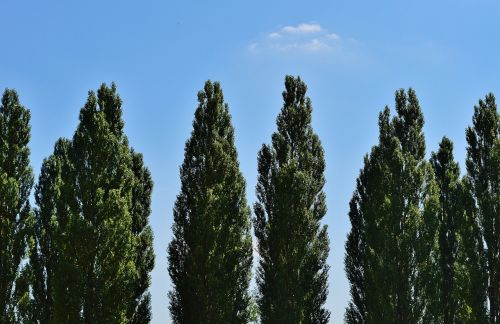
pixel 391 251
pixel 355 246
pixel 471 261
pixel 210 255
pixel 483 177
pixel 293 246
pixel 16 180
pixel 424 246
pixel 48 238
pixel 457 247
pixel 91 250
pixel 139 309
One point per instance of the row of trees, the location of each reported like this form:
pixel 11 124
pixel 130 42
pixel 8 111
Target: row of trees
pixel 210 256
pixel 84 253
pixel 424 245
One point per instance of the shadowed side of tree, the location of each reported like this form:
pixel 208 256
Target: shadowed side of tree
pixel 457 246
pixel 16 180
pixel 47 264
pixel 483 178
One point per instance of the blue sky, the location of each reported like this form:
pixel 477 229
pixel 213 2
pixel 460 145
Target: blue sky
pixel 352 54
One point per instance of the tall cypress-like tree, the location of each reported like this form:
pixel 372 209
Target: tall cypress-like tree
pixel 454 283
pixel 293 245
pixel 47 236
pixel 210 255
pixel 102 262
pixel 471 261
pixel 139 306
pixel 391 251
pixel 91 252
pixel 484 178
pixel 16 180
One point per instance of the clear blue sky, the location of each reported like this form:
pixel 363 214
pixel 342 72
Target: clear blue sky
pixel 352 54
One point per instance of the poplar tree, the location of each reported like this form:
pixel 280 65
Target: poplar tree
pixel 471 265
pixel 16 180
pixel 293 245
pixel 484 177
pixel 391 250
pixel 453 284
pixel 139 306
pixel 210 255
pixel 91 250
pixel 54 197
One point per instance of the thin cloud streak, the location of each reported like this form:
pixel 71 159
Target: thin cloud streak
pixel 305 38
pixel 302 28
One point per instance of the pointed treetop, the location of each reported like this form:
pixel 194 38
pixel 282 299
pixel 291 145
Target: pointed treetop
pixel 11 111
pixel 384 124
pixel 409 122
pixel 486 121
pixel 9 98
pixel 444 165
pixel 108 102
pixel 445 154
pixel 296 111
pixel 111 103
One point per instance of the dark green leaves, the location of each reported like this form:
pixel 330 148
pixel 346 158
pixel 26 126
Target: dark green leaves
pixel 293 246
pixel 210 256
pixel 16 180
pixel 391 249
pixel 92 246
pixel 483 178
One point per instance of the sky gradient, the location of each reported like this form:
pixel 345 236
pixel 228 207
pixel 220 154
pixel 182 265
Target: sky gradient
pixel 353 56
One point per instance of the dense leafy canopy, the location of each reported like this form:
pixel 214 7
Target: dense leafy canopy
pixel 91 246
pixel 483 175
pixel 391 251
pixel 424 246
pixel 210 256
pixel 16 180
pixel 293 245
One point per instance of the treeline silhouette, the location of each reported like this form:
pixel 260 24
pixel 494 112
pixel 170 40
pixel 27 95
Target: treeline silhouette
pixel 424 246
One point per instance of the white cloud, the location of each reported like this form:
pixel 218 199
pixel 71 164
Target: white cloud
pixel 316 45
pixel 313 45
pixel 306 38
pixel 333 36
pixel 274 35
pixel 302 29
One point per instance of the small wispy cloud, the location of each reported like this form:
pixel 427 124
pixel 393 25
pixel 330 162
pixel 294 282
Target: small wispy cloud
pixel 306 37
pixel 333 36
pixel 274 35
pixel 302 28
